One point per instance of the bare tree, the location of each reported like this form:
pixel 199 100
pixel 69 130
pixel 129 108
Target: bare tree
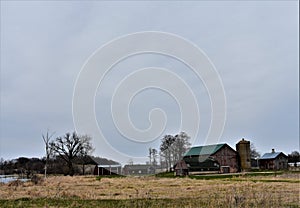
pixel 152 156
pixel 70 146
pixel 47 139
pixel 173 148
pixel 180 146
pixel 253 152
pixel 166 150
pixel 130 161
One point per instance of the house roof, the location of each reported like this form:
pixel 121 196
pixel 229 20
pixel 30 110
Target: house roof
pixel 109 166
pixel 104 161
pixel 181 165
pixel 205 150
pixel 271 155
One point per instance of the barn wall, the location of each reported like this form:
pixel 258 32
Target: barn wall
pixel 267 164
pixel 227 157
pixel 208 165
pixel 279 163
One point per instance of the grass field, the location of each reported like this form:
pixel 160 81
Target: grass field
pixel 257 190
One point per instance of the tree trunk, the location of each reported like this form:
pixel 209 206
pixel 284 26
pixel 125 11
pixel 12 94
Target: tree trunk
pixel 71 168
pixel 45 171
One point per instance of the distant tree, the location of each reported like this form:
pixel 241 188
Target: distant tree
pixel 172 148
pixel 180 146
pixel 1 163
pixel 166 150
pixel 70 146
pixel 36 165
pixel 9 166
pixel 22 166
pixel 46 139
pixel 56 165
pixel 294 157
pixel 152 156
pixel 130 162
pixel 253 152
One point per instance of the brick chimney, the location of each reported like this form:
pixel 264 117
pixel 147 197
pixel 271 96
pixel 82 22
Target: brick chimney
pixel 273 150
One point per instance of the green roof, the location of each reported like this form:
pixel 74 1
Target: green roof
pixel 204 150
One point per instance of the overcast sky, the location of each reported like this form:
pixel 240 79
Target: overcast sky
pixel 253 45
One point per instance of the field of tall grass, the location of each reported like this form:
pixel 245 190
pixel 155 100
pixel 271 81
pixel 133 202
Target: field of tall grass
pixel 150 191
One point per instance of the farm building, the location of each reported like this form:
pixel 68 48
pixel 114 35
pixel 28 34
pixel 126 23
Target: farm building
pixel 138 169
pixel 85 165
pixel 244 158
pixel 218 157
pixel 181 168
pixel 273 161
pixel 106 167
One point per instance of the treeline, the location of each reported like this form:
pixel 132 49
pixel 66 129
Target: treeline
pixel 29 166
pixel 22 165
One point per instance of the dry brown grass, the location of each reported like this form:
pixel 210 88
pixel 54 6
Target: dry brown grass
pixel 223 191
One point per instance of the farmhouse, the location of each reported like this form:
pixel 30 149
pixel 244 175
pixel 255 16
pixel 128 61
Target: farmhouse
pixel 217 157
pixel 273 161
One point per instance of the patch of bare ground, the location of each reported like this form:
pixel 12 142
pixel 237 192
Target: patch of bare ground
pixel 246 193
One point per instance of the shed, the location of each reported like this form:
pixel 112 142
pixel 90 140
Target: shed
pixel 181 168
pixel 273 161
pixel 108 169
